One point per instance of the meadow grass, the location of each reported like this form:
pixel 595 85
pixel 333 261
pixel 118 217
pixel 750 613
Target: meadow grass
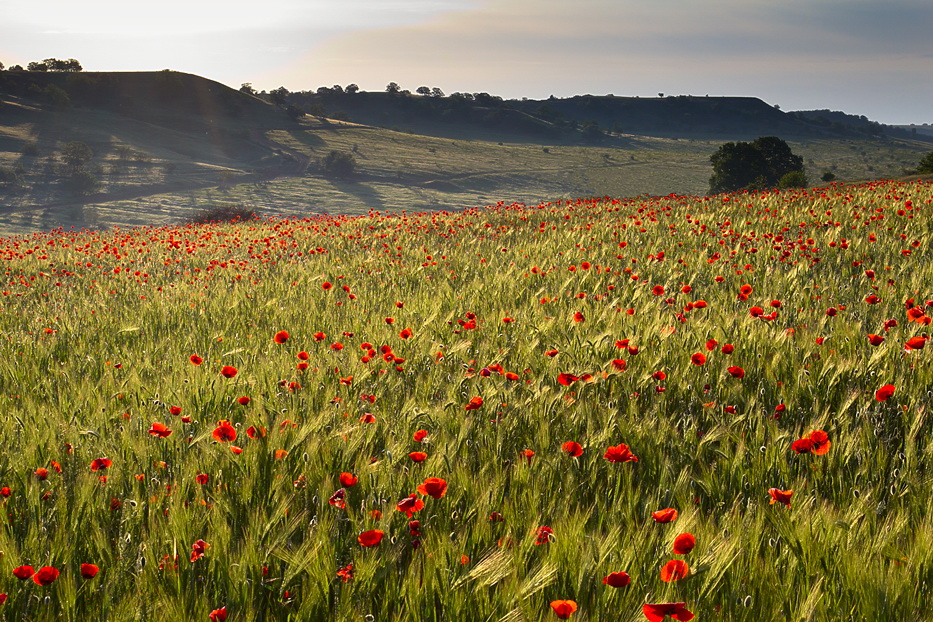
pixel 100 328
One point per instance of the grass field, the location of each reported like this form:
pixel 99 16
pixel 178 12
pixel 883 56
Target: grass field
pixel 716 338
pixel 153 175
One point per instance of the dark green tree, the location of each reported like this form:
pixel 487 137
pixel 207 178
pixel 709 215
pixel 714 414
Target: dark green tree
pixel 76 154
pixel 338 164
pixel 753 166
pixel 34 66
pixel 925 167
pixel 277 96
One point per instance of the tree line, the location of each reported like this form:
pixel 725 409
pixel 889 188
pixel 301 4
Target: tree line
pixel 49 64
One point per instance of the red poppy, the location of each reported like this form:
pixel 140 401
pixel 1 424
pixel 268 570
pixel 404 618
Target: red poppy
pixel 198 549
pixel 224 432
pixel 567 379
pixel 658 290
pixel 5 491
pixel 543 535
pixel 659 375
pixel 619 364
pixel 872 299
pixel 410 505
pixel 736 372
pixel 620 453
pixel 202 478
pixel 346 573
pixel 281 336
pixel 698 359
pixel 756 312
pixel 711 345
pixel 727 349
pixel 98 464
pixel 916 343
pixel 370 538
pixel 45 575
pixel 474 404
pixel 228 371
pixel 884 393
pixel 160 430
pixel 563 608
pixel 418 456
pixel 617 579
pixel 578 317
pixel 875 340
pixel 326 285
pixel 674 570
pixel 405 333
pixel 802 446
pixel 195 359
pixel 572 448
pixel 23 572
pixel 348 479
pixel 684 543
pixel 832 311
pixel 551 353
pixel 338 499
pixel 420 435
pixel 89 571
pixel 656 612
pixel 243 401
pixel 236 450
pixel 434 487
pixel 820 441
pixel 780 496
pixel 219 615
pixel 667 515
pixel 368 418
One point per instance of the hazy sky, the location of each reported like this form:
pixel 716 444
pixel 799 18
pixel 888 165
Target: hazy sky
pixel 863 57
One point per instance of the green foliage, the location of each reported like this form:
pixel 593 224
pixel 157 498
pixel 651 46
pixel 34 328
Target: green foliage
pixel 225 213
pixel 82 183
pixel 338 164
pixel 793 179
pixel 76 154
pixel 11 179
pixel 828 176
pixel 752 166
pixel 925 166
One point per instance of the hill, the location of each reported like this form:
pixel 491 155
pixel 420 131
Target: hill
pixel 165 145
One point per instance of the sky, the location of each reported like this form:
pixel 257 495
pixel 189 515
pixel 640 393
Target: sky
pixel 872 58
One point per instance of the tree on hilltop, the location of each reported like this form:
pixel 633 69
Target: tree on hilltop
pixel 925 167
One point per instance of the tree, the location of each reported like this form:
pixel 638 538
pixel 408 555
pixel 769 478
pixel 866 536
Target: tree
pixel 247 87
pixel 752 166
pixel 925 167
pixel 34 66
pixel 1 66
pixel 338 164
pixel 277 96
pixel 437 92
pixel 70 65
pixel 76 154
pixel 82 183
pixel 351 89
pixel 423 90
pixel 392 88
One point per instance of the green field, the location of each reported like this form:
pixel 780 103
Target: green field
pixel 503 333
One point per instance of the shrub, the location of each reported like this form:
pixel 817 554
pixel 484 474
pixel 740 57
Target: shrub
pixel 81 183
pixel 925 167
pixel 794 179
pixel 338 164
pixel 229 212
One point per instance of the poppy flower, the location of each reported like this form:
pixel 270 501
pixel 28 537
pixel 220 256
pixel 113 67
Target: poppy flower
pixel 243 401
pixel 563 608
pixel 348 479
pixel 474 403
pixel 218 615
pixel 195 359
pixel 619 364
pixel 418 456
pixel 198 549
pixel 820 442
pixel 875 340
pixel 420 435
pixel 236 450
pixel 656 612
pixel 727 349
pixel 281 336
pixel 802 446
pixel 915 343
pixel 736 372
pixel 543 535
pixel 89 571
pixel 410 505
pixel 667 515
pixel 884 393
pixel 684 543
pixel 567 379
pixel 780 496
pixel 370 538
pixel 620 453
pixel 617 579
pixel 756 312
pixel 5 491
pixel 45 575
pixel 202 478
pixel 572 448
pixel 254 432
pixel 42 473
pixel 23 572
pixel 224 432
pixel 658 290
pixel 98 464
pixel 698 359
pixel 434 487
pixel 551 353
pixel 346 573
pixel 228 371
pixel 578 317
pixel 405 333
pixel 711 345
pixel 338 499
pixel 674 570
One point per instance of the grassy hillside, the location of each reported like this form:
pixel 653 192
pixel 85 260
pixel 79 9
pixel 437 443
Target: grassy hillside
pixel 165 145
